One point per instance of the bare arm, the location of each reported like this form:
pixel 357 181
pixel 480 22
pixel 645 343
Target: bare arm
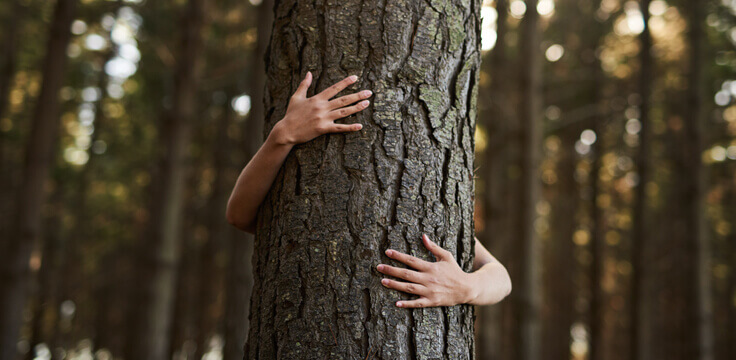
pixel 305 119
pixel 444 283
pixel 489 282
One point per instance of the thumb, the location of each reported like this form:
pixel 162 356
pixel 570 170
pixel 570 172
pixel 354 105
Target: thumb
pixel 436 250
pixel 304 85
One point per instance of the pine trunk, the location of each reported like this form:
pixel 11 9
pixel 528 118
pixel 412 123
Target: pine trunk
pixel 498 188
pixel 160 254
pixel 693 184
pixel 240 269
pixel 341 200
pixel 40 150
pixel 527 301
pixel 638 232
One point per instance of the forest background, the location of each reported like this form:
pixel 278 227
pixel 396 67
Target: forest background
pixel 635 222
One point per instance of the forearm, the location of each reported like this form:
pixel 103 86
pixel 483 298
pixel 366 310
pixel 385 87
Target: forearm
pixel 255 181
pixel 489 284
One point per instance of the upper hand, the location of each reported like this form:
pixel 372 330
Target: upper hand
pixel 307 118
pixel 441 283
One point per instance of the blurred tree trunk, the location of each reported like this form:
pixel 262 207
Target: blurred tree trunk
pixel 8 63
pixel 47 299
pixel 559 292
pixel 40 150
pixel 240 269
pixel 639 234
pixel 341 200
pixel 82 234
pixel 499 197
pixel 160 253
pixel 528 295
pixel 691 192
pixel 189 267
pixel 597 245
pixel 10 52
pixel 213 253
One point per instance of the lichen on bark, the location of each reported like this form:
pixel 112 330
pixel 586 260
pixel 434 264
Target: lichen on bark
pixel 341 200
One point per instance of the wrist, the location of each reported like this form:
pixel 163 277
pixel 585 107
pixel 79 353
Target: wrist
pixel 470 290
pixel 279 136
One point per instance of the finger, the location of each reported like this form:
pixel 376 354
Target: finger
pixel 339 128
pixel 337 87
pixel 301 91
pixel 347 111
pixel 436 250
pixel 406 274
pixel 406 287
pixel 412 261
pixel 348 99
pixel 417 303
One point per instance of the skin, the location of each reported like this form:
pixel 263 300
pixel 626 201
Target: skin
pixel 439 283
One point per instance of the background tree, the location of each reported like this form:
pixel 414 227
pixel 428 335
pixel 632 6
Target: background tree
pixel 40 150
pixel 118 84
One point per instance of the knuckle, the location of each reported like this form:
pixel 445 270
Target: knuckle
pixel 321 128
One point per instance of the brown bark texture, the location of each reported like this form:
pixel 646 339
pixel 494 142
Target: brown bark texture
pixel 340 200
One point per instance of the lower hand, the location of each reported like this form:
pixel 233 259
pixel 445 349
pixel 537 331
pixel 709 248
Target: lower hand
pixel 307 118
pixel 440 283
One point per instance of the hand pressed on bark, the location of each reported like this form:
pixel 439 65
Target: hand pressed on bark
pixel 444 283
pixel 305 119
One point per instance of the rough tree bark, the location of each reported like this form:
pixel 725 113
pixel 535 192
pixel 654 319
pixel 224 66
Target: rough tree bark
pixel 40 149
pixel 341 200
pixel 160 255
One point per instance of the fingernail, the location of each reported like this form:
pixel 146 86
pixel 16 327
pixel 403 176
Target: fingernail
pixel 367 93
pixel 399 304
pixel 389 252
pixel 353 77
pixel 384 281
pixel 364 103
pixel 358 126
pixel 380 267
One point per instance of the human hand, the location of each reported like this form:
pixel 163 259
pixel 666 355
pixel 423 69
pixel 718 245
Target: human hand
pixel 440 283
pixel 307 118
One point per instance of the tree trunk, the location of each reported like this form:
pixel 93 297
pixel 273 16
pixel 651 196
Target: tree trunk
pixel 341 200
pixel 212 274
pixel 638 232
pixel 559 260
pixel 7 71
pixel 40 151
pixel 693 189
pixel 160 254
pixel 597 220
pixel 240 272
pixel 498 199
pixel 10 49
pixel 47 298
pixel 527 300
